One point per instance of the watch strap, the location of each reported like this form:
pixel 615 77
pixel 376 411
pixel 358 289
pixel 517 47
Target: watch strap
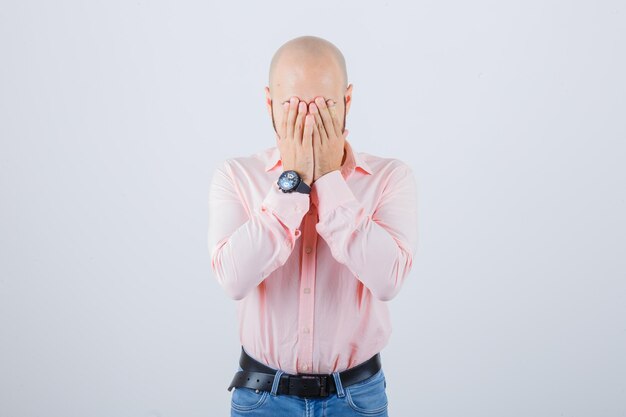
pixel 303 188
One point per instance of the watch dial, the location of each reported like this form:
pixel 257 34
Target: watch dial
pixel 288 180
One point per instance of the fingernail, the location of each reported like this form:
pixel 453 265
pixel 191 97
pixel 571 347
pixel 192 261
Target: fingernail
pixel 285 105
pixel 313 108
pixel 331 103
pixel 293 100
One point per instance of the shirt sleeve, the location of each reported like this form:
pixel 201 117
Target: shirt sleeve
pixel 245 247
pixel 377 248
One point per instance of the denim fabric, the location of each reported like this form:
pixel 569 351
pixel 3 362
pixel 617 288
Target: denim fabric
pixel 365 398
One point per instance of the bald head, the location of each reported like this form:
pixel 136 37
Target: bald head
pixel 308 67
pixel 308 57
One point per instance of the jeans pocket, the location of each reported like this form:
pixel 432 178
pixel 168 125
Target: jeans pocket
pixel 369 396
pixel 246 399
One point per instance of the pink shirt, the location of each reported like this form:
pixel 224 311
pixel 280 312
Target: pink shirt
pixel 312 274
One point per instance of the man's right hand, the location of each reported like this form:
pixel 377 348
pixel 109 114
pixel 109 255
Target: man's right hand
pixel 295 139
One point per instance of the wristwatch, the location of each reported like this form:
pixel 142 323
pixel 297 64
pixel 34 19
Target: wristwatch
pixel 289 181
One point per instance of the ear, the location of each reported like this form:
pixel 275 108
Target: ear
pixel 268 100
pixel 348 96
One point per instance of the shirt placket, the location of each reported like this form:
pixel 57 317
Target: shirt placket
pixel 307 293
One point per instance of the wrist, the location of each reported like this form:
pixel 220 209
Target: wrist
pixel 290 180
pixel 322 173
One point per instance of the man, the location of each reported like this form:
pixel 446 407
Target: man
pixel 312 239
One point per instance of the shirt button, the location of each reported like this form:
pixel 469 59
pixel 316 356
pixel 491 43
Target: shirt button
pixel 308 250
pixel 306 330
pixel 297 232
pixel 307 290
pixel 305 367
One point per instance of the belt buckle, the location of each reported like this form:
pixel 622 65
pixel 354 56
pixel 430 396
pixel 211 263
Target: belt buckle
pixel 312 386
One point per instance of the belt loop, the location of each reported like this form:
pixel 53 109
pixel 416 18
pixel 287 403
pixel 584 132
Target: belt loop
pixel 338 384
pixel 276 382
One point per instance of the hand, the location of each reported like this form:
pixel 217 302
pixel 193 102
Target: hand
pixel 295 139
pixel 328 140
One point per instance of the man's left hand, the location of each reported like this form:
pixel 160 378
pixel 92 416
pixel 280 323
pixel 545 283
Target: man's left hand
pixel 328 140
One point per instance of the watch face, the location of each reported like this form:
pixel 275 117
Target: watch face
pixel 288 180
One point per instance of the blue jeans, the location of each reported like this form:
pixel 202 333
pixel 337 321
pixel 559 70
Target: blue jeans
pixel 365 398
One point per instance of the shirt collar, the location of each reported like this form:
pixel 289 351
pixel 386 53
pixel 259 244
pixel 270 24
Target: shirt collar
pixel 353 160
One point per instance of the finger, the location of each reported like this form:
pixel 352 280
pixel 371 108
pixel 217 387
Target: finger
pixel 316 134
pixel 326 118
pixel 332 109
pixel 283 123
pixel 291 117
pixel 299 122
pixel 307 136
pixel 318 122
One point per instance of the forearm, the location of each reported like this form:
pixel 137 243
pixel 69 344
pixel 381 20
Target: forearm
pixel 378 249
pixel 246 248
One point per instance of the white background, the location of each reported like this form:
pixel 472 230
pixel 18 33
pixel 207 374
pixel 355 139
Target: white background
pixel 113 116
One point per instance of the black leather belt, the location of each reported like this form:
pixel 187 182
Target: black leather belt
pixel 257 375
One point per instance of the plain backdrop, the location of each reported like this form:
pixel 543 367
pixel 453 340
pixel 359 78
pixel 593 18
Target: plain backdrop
pixel 114 115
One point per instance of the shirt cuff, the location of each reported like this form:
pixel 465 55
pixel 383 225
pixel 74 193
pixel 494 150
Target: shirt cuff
pixel 330 191
pixel 290 208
